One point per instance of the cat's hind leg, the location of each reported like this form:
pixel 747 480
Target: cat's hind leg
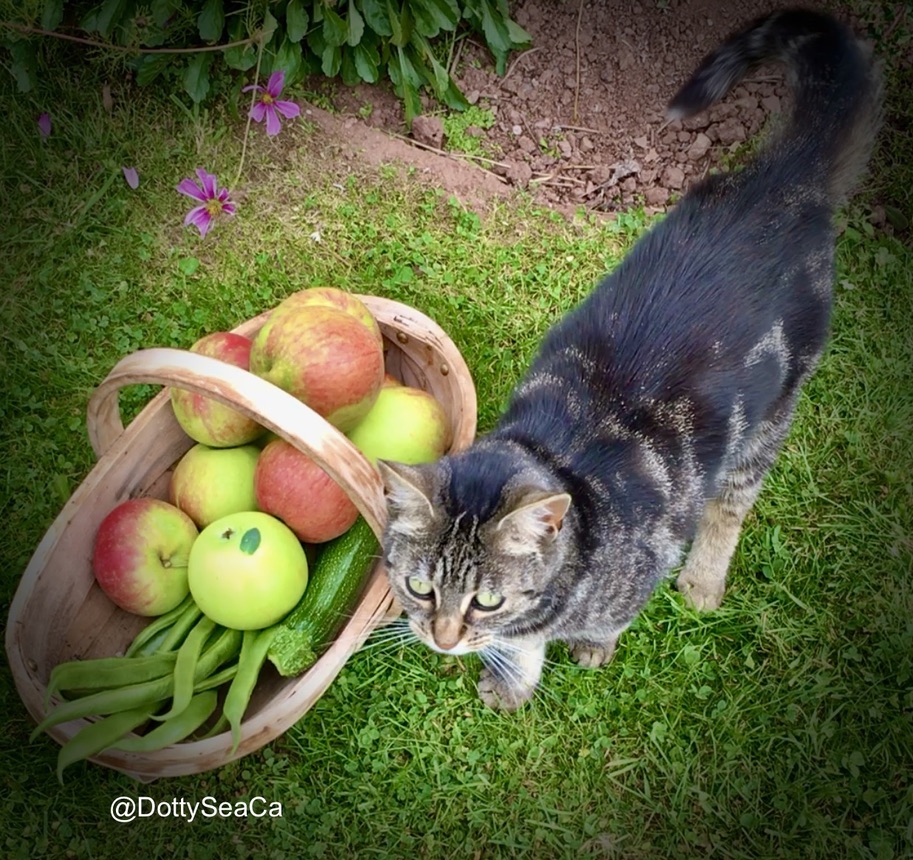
pixel 703 579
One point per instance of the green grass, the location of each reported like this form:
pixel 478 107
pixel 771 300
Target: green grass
pixel 779 726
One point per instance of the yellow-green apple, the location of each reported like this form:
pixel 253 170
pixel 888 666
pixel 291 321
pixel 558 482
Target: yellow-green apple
pixel 291 486
pixel 209 483
pixel 390 381
pixel 405 424
pixel 206 420
pixel 325 357
pixel 140 555
pixel 247 571
pixel 334 298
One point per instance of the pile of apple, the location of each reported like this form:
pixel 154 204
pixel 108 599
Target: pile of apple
pixel 243 502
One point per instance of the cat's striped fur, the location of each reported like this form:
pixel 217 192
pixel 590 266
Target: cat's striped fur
pixel 655 408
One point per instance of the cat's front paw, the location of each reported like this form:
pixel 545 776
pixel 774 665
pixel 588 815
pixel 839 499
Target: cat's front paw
pixel 704 593
pixel 590 656
pixel 500 694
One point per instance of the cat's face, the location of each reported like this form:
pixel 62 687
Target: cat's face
pixel 467 583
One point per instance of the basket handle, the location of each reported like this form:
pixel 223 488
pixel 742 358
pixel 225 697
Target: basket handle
pixel 247 393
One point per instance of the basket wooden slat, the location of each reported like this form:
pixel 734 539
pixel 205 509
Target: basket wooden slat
pixel 59 613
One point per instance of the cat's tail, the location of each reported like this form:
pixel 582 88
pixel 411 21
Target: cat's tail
pixel 837 86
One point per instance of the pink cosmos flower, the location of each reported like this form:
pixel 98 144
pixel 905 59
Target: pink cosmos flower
pixel 213 200
pixel 44 124
pixel 269 106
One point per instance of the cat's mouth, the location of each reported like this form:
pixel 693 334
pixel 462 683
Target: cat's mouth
pixel 448 639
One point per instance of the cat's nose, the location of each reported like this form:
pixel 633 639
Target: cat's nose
pixel 447 632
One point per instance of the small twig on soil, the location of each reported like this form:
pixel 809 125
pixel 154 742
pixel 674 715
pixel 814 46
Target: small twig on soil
pixel 459 155
pixel 513 65
pixel 577 59
pixel 581 128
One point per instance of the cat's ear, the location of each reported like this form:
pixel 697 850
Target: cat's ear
pixel 533 523
pixel 407 492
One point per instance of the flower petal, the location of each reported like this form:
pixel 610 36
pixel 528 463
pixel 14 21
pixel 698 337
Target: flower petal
pixel 287 109
pixel 273 123
pixel 276 83
pixel 131 177
pixel 250 87
pixel 228 208
pixel 199 216
pixel 258 112
pixel 208 182
pixel 191 189
pixel 44 124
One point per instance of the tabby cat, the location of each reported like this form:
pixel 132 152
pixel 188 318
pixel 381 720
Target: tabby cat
pixel 653 410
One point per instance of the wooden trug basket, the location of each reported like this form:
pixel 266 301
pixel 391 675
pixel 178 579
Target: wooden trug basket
pixel 59 612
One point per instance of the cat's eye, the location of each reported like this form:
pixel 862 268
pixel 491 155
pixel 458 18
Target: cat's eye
pixel 487 600
pixel 419 587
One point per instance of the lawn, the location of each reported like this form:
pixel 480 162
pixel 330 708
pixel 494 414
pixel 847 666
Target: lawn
pixel 779 726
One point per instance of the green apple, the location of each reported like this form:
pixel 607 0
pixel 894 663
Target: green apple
pixel 247 570
pixel 140 555
pixel 405 424
pixel 209 483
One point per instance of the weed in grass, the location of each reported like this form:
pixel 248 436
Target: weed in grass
pixel 464 130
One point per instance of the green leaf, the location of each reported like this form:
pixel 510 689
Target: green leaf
pixel 410 81
pixel 518 35
pixel 401 24
pixel 496 33
pixel 52 14
pixel 188 265
pixel 162 10
pixel 432 16
pixel 24 66
pixel 356 25
pixel 109 16
pixel 196 76
pixel 250 541
pixel 348 70
pixel 150 66
pixel 335 30
pixel 375 13
pixel 367 61
pixel 269 26
pixel 240 57
pixel 211 21
pixel 296 20
pixel 288 59
pixel 331 60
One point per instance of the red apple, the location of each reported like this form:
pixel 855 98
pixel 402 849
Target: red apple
pixel 292 487
pixel 210 483
pixel 333 298
pixel 405 424
pixel 325 357
pixel 140 556
pixel 206 420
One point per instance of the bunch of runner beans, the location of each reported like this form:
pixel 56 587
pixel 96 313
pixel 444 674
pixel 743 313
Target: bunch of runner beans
pixel 168 675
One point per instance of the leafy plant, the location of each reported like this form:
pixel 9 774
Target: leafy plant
pixel 356 40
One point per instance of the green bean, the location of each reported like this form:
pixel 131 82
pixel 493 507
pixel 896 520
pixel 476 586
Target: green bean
pixel 219 726
pixel 108 702
pixel 98 736
pixel 254 645
pixel 186 665
pixel 174 730
pixel 179 629
pixel 216 680
pixel 157 626
pixel 107 672
pixel 105 702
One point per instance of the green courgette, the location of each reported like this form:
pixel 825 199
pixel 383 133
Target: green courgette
pixel 334 584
